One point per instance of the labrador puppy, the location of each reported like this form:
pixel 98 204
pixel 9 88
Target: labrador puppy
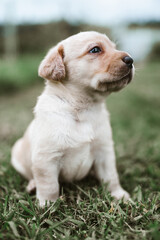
pixel 71 132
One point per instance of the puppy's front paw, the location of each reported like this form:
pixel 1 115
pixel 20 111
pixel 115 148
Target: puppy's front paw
pixel 43 203
pixel 45 200
pixel 120 193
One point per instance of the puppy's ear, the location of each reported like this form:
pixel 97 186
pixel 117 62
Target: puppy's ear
pixel 52 66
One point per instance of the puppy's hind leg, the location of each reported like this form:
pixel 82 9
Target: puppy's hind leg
pixel 31 187
pixel 20 158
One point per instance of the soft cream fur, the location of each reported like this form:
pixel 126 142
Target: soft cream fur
pixel 71 131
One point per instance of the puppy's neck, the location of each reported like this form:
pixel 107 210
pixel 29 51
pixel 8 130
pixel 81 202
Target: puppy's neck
pixel 77 96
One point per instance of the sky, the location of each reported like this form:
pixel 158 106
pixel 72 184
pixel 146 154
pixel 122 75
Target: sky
pixel 101 12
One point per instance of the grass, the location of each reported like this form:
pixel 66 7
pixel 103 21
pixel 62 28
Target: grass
pixel 85 210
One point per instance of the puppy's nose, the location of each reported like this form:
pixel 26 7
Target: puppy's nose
pixel 128 60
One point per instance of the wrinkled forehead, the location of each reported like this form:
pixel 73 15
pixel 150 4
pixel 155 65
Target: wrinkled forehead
pixel 82 40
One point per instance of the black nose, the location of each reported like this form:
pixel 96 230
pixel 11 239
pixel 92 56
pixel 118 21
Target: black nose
pixel 128 60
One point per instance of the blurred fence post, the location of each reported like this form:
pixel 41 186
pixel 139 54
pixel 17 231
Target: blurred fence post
pixel 10 31
pixel 10 41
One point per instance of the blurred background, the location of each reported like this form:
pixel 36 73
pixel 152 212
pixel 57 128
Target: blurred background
pixel 29 28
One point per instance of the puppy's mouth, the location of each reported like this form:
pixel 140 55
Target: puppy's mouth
pixel 117 84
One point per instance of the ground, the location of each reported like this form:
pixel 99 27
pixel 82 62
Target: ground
pixel 85 210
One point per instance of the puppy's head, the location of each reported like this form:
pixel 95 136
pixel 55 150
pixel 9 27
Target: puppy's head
pixel 88 59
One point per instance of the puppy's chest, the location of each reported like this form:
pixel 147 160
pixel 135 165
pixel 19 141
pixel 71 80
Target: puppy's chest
pixel 78 161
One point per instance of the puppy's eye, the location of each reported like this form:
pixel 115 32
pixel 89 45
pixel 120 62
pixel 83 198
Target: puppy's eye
pixel 95 50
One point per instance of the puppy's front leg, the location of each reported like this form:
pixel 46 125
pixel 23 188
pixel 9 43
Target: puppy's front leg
pixel 46 177
pixel 105 169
